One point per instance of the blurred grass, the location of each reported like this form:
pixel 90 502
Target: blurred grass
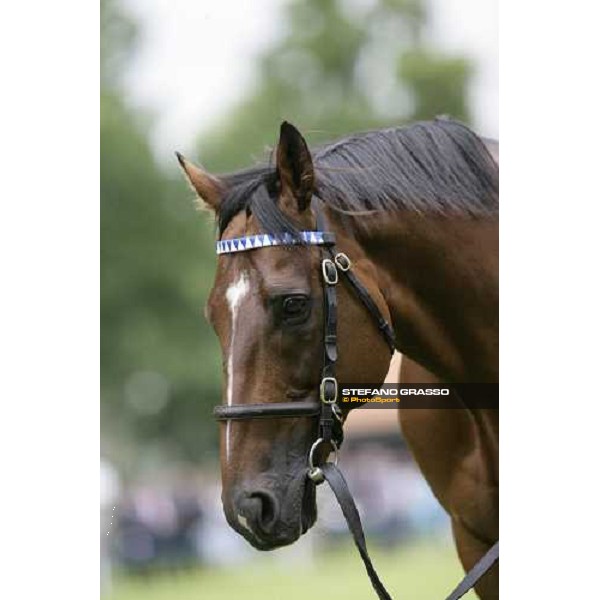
pixel 420 571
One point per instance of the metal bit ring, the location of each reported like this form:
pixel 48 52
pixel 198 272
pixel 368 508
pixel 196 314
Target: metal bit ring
pixel 311 454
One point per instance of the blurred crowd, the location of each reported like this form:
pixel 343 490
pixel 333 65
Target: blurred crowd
pixel 177 525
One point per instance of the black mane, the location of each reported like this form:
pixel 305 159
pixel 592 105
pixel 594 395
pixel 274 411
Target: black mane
pixel 436 166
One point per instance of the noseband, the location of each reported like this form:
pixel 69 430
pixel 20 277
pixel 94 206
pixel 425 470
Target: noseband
pixel 331 418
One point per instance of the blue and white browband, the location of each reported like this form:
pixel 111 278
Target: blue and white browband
pixel 263 240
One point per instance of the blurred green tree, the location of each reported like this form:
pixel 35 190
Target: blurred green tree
pixel 341 67
pixel 158 358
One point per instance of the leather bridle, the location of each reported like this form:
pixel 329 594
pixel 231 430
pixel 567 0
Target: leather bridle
pixel 331 418
pixel 332 265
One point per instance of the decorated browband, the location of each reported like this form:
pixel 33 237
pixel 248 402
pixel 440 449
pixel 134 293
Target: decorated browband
pixel 264 240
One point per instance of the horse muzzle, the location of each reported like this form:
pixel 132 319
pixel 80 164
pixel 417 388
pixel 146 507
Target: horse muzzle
pixel 270 518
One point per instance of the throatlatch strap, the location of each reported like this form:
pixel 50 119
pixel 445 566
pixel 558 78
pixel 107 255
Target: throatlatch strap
pixel 338 484
pixel 361 291
pixel 369 304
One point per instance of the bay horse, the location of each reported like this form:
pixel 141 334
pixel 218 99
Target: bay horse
pixel 416 209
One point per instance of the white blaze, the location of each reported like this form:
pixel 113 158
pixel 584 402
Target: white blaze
pixel 235 294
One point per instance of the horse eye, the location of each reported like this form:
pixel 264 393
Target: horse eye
pixel 293 309
pixel 294 305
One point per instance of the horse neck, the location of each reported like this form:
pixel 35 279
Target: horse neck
pixel 439 276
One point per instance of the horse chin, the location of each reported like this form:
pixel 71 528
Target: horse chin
pixel 299 514
pixel 308 514
pixel 300 507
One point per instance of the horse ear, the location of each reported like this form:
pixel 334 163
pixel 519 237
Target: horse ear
pixel 294 165
pixel 208 187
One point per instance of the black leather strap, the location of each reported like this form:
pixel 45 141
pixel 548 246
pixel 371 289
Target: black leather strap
pixel 369 304
pixel 276 410
pixel 360 290
pixel 327 388
pixel 338 484
pixel 483 565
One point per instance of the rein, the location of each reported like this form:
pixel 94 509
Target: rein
pixel 331 418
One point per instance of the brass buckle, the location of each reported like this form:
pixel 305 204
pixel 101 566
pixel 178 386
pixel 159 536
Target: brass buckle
pixel 330 274
pixel 342 262
pixel 324 381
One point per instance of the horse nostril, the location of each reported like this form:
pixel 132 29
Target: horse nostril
pixel 266 511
